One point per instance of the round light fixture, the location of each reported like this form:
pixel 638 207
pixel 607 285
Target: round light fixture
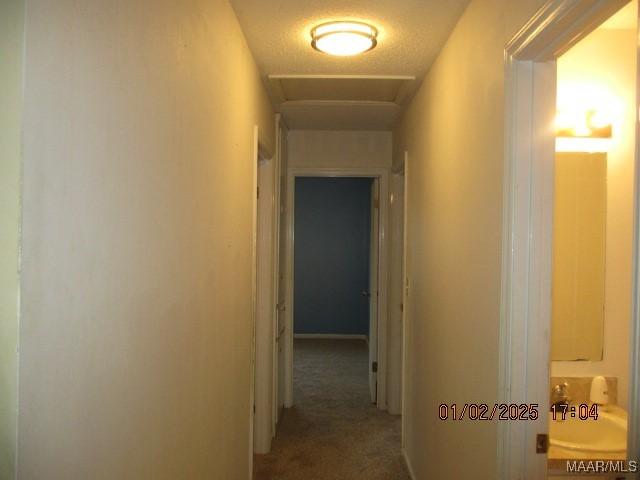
pixel 344 38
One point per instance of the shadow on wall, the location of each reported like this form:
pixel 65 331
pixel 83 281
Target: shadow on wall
pixel 332 243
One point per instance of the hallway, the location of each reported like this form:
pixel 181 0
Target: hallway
pixel 333 432
pixel 153 157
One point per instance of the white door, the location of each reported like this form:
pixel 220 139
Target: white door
pixel 373 289
pixel 264 319
pixel 281 291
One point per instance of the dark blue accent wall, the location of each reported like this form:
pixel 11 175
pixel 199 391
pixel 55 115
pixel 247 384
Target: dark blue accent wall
pixel 332 240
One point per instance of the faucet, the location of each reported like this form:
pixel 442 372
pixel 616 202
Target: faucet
pixel 560 394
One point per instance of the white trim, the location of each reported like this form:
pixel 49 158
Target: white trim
pixel 254 200
pixel 330 336
pixel 275 269
pixel 633 434
pixel 525 320
pixel 281 349
pixel 395 326
pixel 265 307
pixel 383 175
pixel 374 285
pixel 288 344
pixel 260 432
pixel 530 82
pixel 407 463
pixel 405 293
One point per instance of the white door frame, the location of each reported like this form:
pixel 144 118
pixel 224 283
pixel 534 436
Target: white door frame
pixel 405 295
pixel 395 342
pixel 374 284
pixel 260 379
pixel 281 130
pixel 254 275
pixel 383 175
pixel 530 83
pixel 265 304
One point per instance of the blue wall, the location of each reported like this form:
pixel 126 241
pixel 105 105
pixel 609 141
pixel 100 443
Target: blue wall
pixel 332 230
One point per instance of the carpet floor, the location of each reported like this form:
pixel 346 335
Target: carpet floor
pixel 333 432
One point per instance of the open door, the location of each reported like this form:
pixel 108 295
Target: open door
pixel 527 301
pixel 281 285
pixel 264 315
pixel 373 289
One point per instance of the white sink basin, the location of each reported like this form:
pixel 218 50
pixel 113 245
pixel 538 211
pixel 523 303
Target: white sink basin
pixel 607 434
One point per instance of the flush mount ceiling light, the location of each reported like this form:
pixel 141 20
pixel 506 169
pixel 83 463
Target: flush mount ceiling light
pixel 344 38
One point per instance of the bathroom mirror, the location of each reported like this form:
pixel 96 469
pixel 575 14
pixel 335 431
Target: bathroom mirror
pixel 579 234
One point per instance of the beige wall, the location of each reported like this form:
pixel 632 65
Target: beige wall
pixel 11 46
pixel 339 149
pixel 606 61
pixel 136 313
pixel 453 131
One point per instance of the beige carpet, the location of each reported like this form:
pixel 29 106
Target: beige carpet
pixel 333 432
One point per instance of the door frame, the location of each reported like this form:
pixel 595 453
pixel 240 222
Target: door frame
pixel 404 284
pixel 265 303
pixel 383 175
pixel 373 286
pixel 525 320
pixel 281 132
pixel 397 281
pixel 259 379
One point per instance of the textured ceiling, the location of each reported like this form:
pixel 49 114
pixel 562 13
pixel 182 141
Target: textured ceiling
pixel 411 33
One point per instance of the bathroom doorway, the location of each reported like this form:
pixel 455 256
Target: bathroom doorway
pixel 570 245
pixel 593 245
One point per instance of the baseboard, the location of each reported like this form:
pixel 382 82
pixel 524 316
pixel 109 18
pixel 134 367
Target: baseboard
pixel 408 464
pixel 331 336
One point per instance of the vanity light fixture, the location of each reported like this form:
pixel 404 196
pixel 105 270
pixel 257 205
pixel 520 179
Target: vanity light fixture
pixel 344 38
pixel 583 124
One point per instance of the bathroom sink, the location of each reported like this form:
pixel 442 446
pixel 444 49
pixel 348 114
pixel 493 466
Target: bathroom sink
pixel 607 434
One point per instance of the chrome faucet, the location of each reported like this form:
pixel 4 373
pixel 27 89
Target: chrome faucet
pixel 560 394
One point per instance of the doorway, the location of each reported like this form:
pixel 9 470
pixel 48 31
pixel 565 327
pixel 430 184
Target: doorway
pixel 332 318
pixel 336 264
pixel 530 169
pixel 264 362
pixel 377 334
pixel 592 244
